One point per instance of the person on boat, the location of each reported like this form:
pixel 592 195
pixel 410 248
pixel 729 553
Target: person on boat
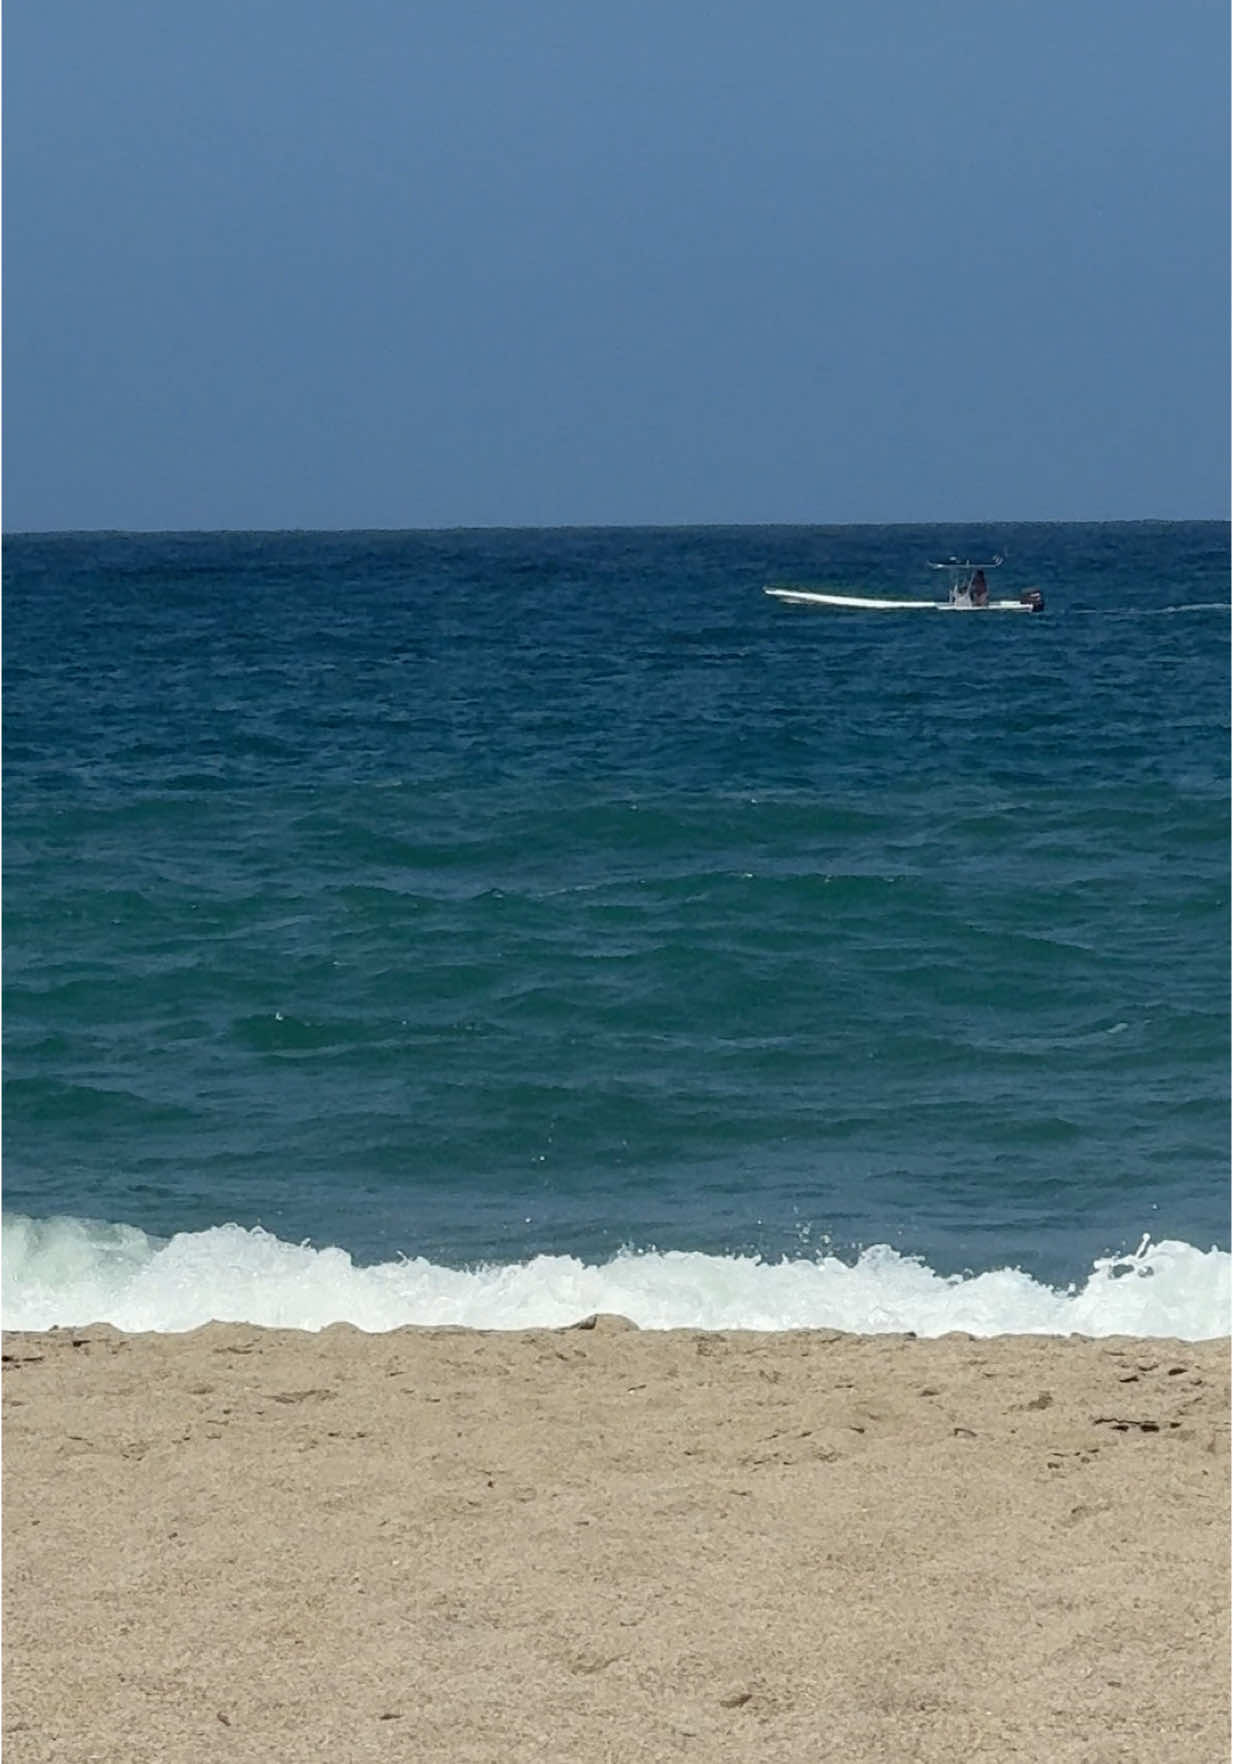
pixel 979 589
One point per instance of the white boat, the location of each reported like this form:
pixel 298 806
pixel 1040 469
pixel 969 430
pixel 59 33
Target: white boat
pixel 968 592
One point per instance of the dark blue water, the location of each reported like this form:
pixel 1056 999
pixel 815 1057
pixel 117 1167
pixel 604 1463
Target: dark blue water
pixel 482 895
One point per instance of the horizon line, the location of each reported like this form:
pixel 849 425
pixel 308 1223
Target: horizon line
pixel 608 527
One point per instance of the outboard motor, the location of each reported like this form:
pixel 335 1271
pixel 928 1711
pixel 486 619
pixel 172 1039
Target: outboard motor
pixel 1034 598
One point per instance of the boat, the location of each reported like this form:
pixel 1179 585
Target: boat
pixel 968 592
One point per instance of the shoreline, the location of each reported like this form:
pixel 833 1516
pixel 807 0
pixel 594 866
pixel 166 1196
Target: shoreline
pixel 612 1543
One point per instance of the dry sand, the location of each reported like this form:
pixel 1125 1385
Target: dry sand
pixel 601 1544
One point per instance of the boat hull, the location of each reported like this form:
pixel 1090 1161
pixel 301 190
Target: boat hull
pixel 862 603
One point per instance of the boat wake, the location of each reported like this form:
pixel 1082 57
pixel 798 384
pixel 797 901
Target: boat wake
pixel 1153 612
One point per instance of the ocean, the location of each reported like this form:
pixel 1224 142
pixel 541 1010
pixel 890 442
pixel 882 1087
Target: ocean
pixel 491 927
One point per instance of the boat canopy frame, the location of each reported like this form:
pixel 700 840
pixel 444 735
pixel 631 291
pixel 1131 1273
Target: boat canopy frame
pixel 959 565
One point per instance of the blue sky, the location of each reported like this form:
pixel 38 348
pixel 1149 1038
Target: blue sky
pixel 283 263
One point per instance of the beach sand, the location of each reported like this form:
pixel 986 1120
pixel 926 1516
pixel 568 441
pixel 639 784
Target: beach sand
pixel 606 1544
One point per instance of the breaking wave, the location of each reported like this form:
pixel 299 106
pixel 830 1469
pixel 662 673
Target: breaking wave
pixel 70 1272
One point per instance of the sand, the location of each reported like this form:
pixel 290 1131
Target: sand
pixel 604 1544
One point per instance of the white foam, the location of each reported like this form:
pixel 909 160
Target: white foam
pixel 69 1272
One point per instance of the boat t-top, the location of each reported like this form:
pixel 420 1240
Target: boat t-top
pixel 968 591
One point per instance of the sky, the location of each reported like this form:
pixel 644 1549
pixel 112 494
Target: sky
pixel 435 263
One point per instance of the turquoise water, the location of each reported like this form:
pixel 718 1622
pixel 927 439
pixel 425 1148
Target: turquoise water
pixel 478 897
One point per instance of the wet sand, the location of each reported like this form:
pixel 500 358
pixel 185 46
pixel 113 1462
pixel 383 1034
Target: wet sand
pixel 605 1544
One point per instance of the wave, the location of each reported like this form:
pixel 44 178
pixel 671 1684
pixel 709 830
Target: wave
pixel 68 1272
